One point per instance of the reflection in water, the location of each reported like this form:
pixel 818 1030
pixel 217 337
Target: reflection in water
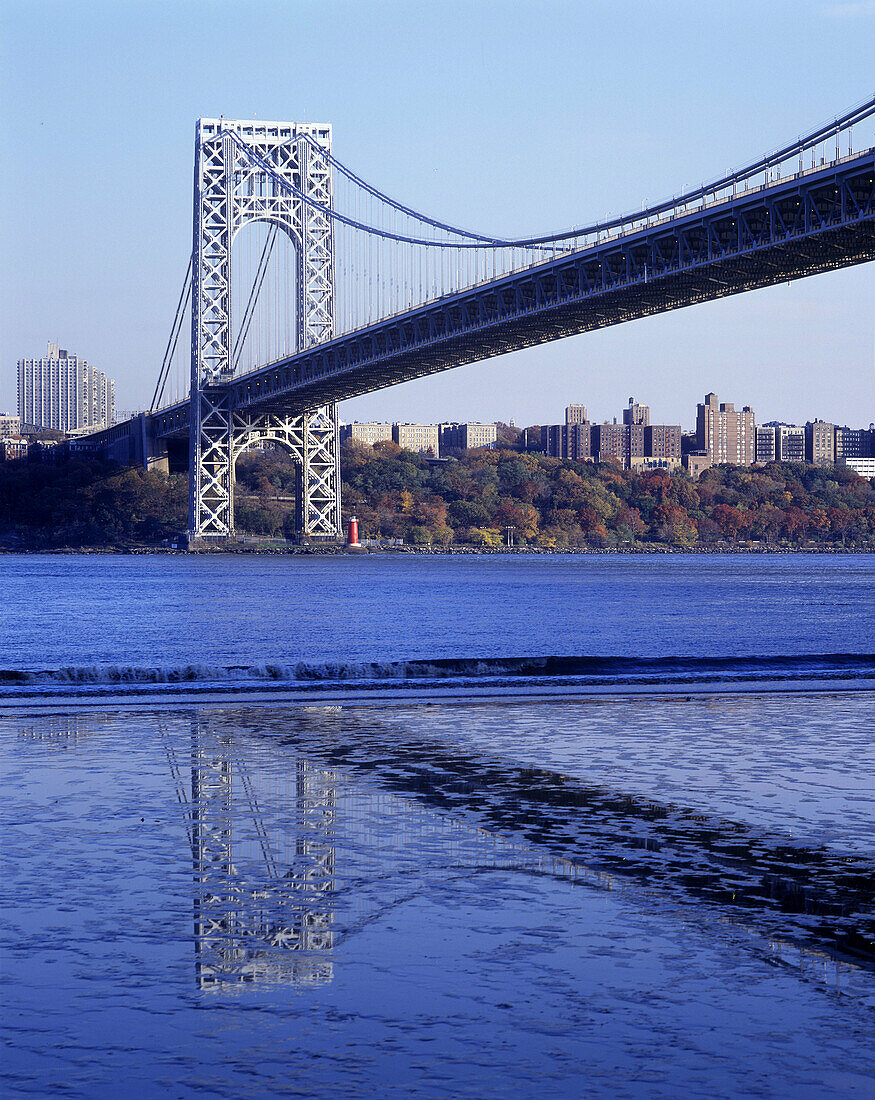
pixel 305 825
pixel 261 905
pixel 818 899
pixel 385 902
pixel 264 828
pixel 61 731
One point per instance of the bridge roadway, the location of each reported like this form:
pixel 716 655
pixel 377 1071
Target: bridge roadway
pixel 816 221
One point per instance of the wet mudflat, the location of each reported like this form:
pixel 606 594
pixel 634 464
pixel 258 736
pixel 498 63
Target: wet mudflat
pixel 621 897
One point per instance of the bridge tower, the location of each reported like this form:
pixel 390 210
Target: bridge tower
pixel 235 183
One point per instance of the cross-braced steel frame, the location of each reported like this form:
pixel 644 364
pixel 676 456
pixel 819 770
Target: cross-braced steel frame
pixel 232 187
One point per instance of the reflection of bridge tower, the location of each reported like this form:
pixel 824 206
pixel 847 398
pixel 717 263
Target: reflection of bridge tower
pixel 234 186
pixel 260 908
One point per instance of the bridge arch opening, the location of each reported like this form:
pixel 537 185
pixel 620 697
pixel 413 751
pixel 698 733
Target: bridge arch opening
pixel 266 275
pixel 268 489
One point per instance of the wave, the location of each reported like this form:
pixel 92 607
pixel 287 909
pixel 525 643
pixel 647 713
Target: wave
pixel 495 672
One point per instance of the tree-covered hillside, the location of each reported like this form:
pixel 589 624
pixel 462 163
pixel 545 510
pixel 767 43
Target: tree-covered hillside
pixel 86 502
pixel 550 503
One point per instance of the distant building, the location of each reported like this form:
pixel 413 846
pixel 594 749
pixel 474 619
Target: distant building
pixel 554 440
pixel 617 443
pixel 9 425
pixel 467 437
pixel 865 467
pixel 610 443
pixel 642 463
pixel 623 444
pixel 11 449
pixel 449 438
pixel 366 433
pixel 695 462
pixel 725 434
pixel 580 442
pixel 820 445
pixel 636 414
pixel 478 435
pixel 634 442
pixel 419 438
pixel 572 440
pixel 854 443
pixel 765 445
pixel 789 443
pixel 663 441
pixel 64 392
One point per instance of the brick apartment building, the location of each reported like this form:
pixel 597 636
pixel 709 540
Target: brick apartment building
pixel 724 433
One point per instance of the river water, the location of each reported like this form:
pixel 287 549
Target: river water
pixel 416 826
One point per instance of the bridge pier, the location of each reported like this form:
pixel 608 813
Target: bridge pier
pixel 152 452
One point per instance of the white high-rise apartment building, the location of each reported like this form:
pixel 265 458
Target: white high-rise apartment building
pixel 63 392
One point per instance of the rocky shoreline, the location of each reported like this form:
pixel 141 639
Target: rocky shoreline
pixel 471 551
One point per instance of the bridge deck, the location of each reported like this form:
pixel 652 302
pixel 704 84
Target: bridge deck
pixel 817 221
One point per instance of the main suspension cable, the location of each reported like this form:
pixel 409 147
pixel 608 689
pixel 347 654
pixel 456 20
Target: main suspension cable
pixel 474 240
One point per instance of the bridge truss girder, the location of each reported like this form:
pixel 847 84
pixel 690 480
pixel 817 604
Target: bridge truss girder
pixel 818 222
pixel 232 189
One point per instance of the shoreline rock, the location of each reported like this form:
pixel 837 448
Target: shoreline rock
pixel 438 551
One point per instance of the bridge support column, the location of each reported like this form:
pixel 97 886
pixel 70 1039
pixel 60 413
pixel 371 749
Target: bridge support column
pixel 152 452
pixel 211 468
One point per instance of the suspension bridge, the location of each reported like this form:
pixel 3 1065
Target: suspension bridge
pixel 333 289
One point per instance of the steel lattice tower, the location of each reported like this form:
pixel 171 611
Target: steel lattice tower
pixel 231 189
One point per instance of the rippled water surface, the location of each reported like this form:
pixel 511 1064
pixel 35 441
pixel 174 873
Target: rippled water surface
pixel 67 610
pixel 449 900
pixel 282 826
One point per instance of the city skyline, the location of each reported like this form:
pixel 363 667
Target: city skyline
pixel 92 146
pixel 863 418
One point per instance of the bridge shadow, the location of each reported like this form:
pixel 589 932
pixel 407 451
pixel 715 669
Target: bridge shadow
pixel 814 898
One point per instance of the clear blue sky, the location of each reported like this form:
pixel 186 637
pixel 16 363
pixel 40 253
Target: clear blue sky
pixel 510 117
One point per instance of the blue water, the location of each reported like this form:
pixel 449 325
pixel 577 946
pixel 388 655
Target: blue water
pixel 486 892
pixel 59 611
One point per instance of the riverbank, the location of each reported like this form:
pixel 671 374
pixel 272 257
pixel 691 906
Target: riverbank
pixel 439 551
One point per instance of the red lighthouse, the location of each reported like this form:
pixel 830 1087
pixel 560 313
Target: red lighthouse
pixel 352 534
